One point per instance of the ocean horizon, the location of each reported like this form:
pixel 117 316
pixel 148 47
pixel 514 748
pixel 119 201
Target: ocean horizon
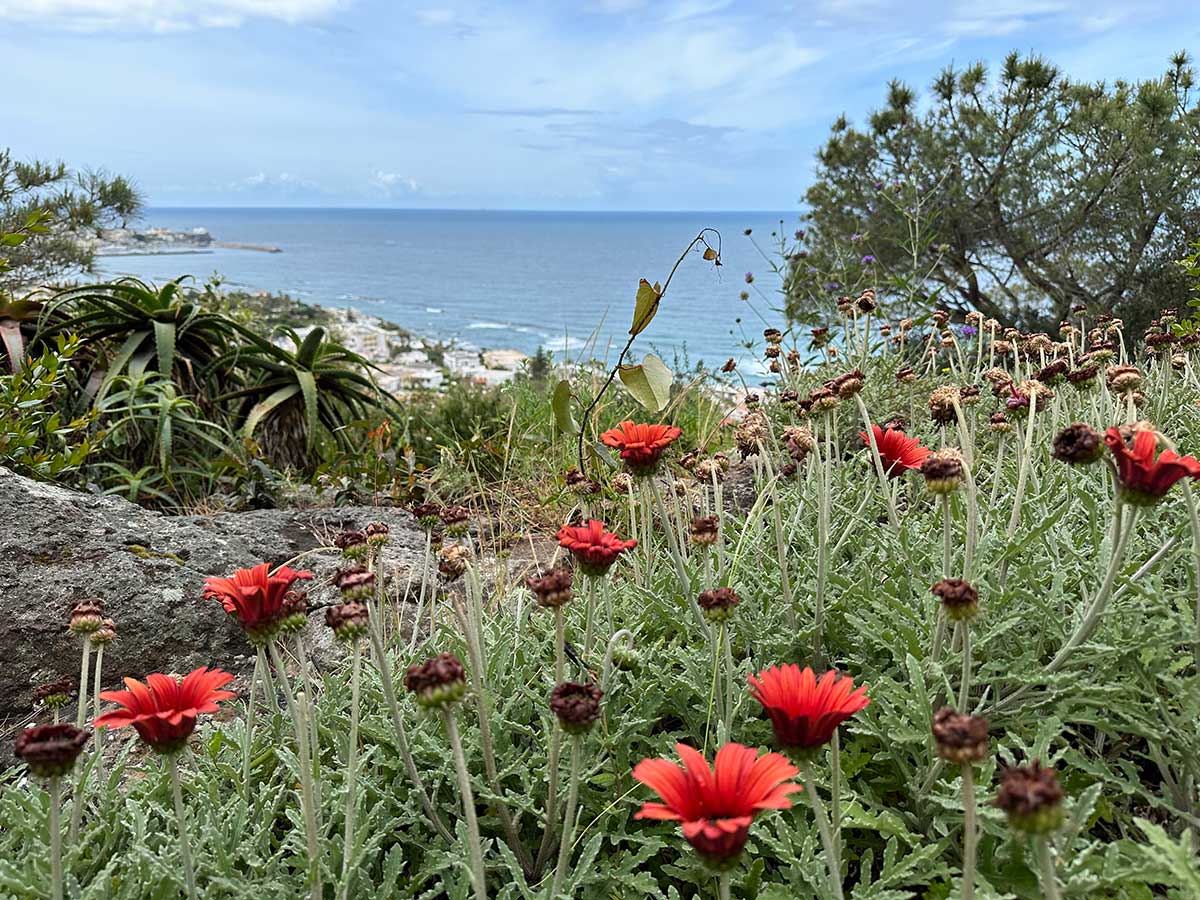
pixel 492 279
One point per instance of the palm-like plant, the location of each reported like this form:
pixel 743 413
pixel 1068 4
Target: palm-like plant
pixel 164 330
pixel 294 393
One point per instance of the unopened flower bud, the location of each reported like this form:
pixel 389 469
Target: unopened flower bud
pixel 959 599
pixel 86 616
pixel 438 681
pixel 1032 798
pixel 378 533
pixel 355 582
pixel 576 705
pixel 353 544
pixel 705 530
pixel 552 590
pixel 718 605
pixel 50 751
pixel 943 471
pixel 349 621
pixel 1078 444
pixel 960 738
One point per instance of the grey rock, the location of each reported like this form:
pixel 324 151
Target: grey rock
pixel 58 546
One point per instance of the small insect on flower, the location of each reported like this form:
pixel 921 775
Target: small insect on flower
pixel 716 805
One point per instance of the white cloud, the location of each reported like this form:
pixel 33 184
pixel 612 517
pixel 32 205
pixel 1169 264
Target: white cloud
pixel 160 15
pixel 393 184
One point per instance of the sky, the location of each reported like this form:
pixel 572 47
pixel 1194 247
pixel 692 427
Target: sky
pixel 574 104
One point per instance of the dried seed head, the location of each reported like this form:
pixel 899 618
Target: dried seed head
pixel 705 531
pixel 428 515
pixel 452 561
pixel 1002 348
pixel 849 384
pixel 959 599
pixel 1053 372
pixel 752 433
pixel 998 422
pixel 943 471
pixel 710 470
pixel 824 399
pixel 438 681
pixel 1032 798
pixel 866 301
pixel 969 394
pixel 905 375
pixel 1083 377
pixel 576 705
pixel 717 605
pixel 294 612
pixel 1124 378
pixel 456 519
pixel 622 482
pixel 552 590
pixel 941 404
pixel 773 336
pixel 960 738
pixel 1078 444
pixel 579 483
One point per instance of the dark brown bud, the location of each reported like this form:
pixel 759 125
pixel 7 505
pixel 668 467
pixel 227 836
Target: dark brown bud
pixel 378 533
pixel 849 384
pixel 730 365
pixel 1053 373
pixel 1085 376
pixel 353 544
pixel 943 471
pixel 427 514
pixel 456 518
pixel 998 421
pixel 960 738
pixel 905 374
pixel 577 706
pixel 438 681
pixel 866 301
pixel 1032 798
pixel 773 336
pixel 717 605
pixel 579 483
pixel 355 582
pixel 1078 444
pixel 50 751
pixel 348 620
pixel 106 633
pixel 554 589
pixel 54 694
pixel 294 611
pixel 86 616
pixel 959 598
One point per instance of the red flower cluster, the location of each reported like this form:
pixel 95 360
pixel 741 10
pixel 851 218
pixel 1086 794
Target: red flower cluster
pixel 1142 479
pixel 641 446
pixel 717 805
pixel 803 711
pixel 255 597
pixel 898 451
pixel 164 710
pixel 594 549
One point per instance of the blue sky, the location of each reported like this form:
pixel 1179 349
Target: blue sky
pixel 578 104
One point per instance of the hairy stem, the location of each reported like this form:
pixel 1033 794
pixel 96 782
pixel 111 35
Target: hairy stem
pixel 478 876
pixel 831 851
pixel 351 769
pixel 568 831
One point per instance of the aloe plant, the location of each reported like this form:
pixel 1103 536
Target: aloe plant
pixel 293 394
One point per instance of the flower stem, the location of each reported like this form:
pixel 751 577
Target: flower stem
pixel 730 693
pixel 351 769
pixel 96 710
pixel 1049 876
pixel 685 580
pixel 723 886
pixel 831 851
pixel 964 689
pixel 555 747
pixel 823 489
pixel 478 877
pixel 248 735
pixel 297 706
pixel 568 832
pixel 81 713
pixel 56 872
pixel 970 832
pixel 185 841
pixel 410 766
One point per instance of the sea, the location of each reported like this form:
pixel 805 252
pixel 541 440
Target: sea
pixel 562 281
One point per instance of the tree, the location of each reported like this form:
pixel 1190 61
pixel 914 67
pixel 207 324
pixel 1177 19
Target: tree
pixel 1018 198
pixel 72 206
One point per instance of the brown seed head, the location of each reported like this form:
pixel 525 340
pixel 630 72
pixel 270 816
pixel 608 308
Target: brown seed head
pixel 86 616
pixel 1078 444
pixel 1032 798
pixel 437 682
pixel 349 621
pixel 960 738
pixel 943 471
pixel 576 705
pixel 959 598
pixel 50 751
pixel 552 590
pixel 717 605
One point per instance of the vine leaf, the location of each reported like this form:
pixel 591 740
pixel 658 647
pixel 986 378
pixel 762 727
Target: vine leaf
pixel 646 305
pixel 560 402
pixel 649 382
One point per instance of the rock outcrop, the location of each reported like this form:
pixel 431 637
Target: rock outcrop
pixel 58 546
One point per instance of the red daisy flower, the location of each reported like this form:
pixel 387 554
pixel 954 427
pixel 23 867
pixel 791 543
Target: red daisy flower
pixel 805 712
pixel 717 805
pixel 164 710
pixel 1142 479
pixel 594 549
pixel 641 446
pixel 898 451
pixel 255 597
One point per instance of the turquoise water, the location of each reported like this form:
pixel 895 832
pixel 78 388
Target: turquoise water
pixel 518 280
